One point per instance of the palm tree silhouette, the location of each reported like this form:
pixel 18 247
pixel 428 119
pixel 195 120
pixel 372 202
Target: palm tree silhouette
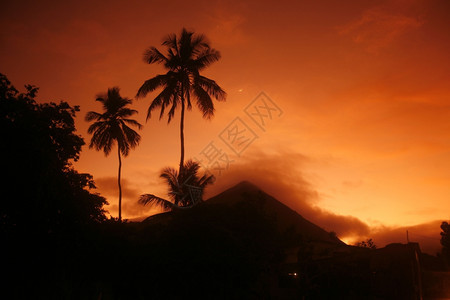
pixel 111 126
pixel 186 189
pixel 186 56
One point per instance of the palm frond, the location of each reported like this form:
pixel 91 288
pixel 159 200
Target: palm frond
pixel 133 123
pixel 95 126
pixel 152 84
pixel 132 138
pixel 204 102
pixel 187 97
pixel 206 180
pixel 185 45
pixel 153 55
pixel 152 200
pixel 211 87
pixel 125 112
pixel 206 58
pixel 124 146
pixel 170 175
pixel 102 140
pixel 171 42
pixel 164 98
pixel 92 115
pixel 191 168
pixel 199 43
pixel 171 112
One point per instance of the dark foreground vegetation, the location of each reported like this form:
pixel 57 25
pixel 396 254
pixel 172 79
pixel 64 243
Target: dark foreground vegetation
pixel 252 247
pixel 58 244
pixel 242 244
pixel 187 256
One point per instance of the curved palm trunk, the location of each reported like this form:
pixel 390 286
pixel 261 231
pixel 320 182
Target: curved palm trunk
pixel 120 187
pixel 182 135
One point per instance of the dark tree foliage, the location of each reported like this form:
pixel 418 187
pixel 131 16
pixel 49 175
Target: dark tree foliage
pixel 445 239
pixel 47 213
pixel 41 192
pixel 367 244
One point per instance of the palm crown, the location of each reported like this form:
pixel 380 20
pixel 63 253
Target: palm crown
pixel 186 56
pixel 112 126
pixel 185 189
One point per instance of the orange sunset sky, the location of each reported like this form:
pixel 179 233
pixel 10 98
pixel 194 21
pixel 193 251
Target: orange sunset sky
pixel 360 144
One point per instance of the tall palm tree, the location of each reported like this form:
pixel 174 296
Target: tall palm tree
pixel 185 189
pixel 186 56
pixel 111 127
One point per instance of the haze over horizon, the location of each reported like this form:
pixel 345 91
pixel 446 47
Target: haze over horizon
pixel 359 138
